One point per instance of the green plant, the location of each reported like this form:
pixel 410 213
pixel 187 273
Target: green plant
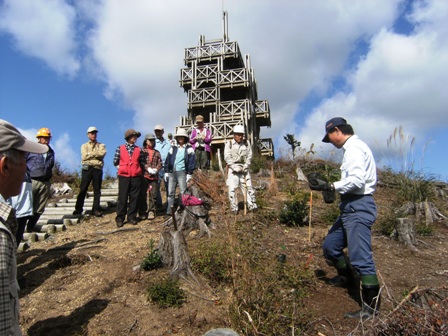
pixel 330 213
pixel 423 230
pixel 415 187
pixel 211 258
pixel 258 162
pixel 152 259
pixel 166 293
pixel 295 211
pixel 289 138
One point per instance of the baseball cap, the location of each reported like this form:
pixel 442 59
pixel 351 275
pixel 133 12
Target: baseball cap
pixel 158 128
pixel 332 123
pixel 199 118
pixel 92 129
pixel 12 138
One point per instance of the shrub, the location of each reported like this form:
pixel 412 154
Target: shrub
pixel 166 293
pixel 211 258
pixel 295 211
pixel 153 259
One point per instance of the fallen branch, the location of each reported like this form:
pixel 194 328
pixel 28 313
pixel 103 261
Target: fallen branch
pixel 117 231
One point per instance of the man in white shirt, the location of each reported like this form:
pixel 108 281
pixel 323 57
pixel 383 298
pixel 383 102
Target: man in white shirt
pixel 238 156
pixel 352 229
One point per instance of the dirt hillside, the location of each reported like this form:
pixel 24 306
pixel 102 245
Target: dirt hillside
pixel 86 281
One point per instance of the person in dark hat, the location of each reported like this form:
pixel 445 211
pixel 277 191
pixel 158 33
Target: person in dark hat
pixel 130 162
pixel 13 149
pixel 150 181
pixel 352 229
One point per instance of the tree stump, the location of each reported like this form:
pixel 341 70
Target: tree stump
pixel 405 232
pixel 173 245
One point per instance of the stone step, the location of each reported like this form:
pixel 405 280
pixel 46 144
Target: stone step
pixel 105 192
pixel 65 221
pixel 103 203
pixel 50 228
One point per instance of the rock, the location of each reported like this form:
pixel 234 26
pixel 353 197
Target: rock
pixel 221 332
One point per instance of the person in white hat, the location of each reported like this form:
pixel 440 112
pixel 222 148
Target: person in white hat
pixel 92 162
pixel 179 166
pixel 238 156
pixel 163 146
pixel 13 149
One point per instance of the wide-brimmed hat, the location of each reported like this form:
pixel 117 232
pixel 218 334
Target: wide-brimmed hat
pixel 12 138
pixel 130 132
pixel 181 133
pixel 332 123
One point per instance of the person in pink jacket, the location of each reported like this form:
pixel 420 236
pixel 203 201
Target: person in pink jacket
pixel 200 139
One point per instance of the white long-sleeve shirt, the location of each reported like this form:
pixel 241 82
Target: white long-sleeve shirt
pixel 358 169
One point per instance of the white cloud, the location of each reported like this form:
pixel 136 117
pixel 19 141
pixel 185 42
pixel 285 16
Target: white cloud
pixel 297 48
pixel 400 81
pixel 43 29
pixel 64 153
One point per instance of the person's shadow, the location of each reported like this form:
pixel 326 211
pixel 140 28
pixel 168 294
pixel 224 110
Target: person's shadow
pixel 31 274
pixel 353 285
pixel 73 324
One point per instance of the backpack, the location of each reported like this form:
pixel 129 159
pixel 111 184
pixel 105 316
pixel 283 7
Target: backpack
pixel 190 200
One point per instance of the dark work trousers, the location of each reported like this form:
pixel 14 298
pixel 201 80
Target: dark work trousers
pixel 353 230
pixel 202 158
pixel 95 176
pixel 150 187
pixel 21 224
pixel 128 192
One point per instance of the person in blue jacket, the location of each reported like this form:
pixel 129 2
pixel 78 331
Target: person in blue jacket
pixel 179 166
pixel 40 167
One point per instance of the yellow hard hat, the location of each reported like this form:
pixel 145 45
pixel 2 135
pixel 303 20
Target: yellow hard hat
pixel 43 132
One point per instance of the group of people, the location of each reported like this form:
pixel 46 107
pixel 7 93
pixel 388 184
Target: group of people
pixel 24 163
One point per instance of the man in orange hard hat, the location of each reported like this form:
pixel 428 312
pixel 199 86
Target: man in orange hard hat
pixel 40 167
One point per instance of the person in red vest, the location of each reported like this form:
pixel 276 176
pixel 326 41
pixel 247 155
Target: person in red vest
pixel 130 162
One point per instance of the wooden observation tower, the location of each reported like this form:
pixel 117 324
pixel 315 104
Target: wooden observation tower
pixel 221 87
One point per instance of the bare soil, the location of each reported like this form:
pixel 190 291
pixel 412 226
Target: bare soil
pixel 86 281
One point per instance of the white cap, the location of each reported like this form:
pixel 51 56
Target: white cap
pixel 238 129
pixel 158 128
pixel 92 129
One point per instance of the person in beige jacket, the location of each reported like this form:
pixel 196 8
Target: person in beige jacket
pixel 92 160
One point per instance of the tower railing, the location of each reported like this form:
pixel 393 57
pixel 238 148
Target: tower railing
pixel 225 49
pixel 230 78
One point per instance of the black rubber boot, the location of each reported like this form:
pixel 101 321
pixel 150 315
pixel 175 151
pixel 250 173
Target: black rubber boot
pixel 371 302
pixel 340 280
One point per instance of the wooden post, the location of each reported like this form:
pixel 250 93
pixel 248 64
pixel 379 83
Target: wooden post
pixel 309 222
pixel 173 213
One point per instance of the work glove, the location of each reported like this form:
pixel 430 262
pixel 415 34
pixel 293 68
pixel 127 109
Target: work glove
pixel 152 171
pixel 237 168
pixel 165 177
pixel 316 183
pixel 188 177
pixel 329 195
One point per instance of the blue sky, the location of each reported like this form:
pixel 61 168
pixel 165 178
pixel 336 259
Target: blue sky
pixel 115 64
